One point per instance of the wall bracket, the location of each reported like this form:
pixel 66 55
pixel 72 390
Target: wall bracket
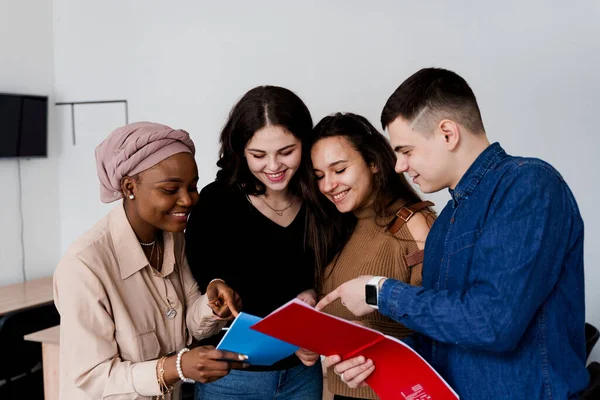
pixel 74 103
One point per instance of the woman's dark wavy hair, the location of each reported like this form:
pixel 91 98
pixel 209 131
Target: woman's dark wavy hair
pixel 327 229
pixel 260 107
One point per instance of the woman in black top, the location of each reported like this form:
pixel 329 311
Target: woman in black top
pixel 248 230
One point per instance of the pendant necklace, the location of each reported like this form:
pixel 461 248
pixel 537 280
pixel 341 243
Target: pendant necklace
pixel 278 212
pixel 171 313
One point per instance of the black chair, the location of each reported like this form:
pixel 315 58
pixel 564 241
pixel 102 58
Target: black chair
pixel 593 390
pixel 21 368
pixel 591 337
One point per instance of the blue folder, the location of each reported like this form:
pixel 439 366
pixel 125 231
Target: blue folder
pixel 261 349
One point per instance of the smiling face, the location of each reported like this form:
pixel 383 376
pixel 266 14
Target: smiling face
pixel 164 195
pixel 425 158
pixel 273 156
pixel 342 174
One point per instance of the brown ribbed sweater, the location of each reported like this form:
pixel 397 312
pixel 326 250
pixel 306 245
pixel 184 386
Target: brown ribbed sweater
pixel 371 250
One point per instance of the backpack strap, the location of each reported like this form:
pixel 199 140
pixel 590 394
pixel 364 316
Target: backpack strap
pixel 405 213
pixel 414 258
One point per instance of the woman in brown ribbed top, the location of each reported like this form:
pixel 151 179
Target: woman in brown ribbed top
pixel 353 168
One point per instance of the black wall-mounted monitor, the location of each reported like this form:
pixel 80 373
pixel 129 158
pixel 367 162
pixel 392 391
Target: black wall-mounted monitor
pixel 23 125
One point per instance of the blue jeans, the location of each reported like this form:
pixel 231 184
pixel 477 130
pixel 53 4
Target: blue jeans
pixel 296 383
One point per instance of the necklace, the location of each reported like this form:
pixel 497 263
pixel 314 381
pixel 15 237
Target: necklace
pixel 149 243
pixel 171 313
pixel 278 212
pixel 157 256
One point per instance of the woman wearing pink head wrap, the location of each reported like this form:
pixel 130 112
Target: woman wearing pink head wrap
pixel 128 303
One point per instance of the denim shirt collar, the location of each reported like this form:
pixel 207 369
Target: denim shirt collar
pixel 482 164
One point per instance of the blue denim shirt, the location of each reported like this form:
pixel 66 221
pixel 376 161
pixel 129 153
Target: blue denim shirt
pixel 501 311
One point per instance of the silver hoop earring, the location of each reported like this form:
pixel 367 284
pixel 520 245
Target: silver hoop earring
pixel 131 197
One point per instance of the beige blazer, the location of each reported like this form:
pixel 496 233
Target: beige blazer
pixel 112 306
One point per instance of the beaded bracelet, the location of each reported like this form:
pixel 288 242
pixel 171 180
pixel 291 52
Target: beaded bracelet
pixel 178 364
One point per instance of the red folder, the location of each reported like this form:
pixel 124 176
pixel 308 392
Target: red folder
pixel 400 372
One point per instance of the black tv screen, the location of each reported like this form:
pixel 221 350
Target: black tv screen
pixel 23 125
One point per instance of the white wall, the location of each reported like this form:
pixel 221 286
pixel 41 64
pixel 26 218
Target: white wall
pixel 533 66
pixel 27 66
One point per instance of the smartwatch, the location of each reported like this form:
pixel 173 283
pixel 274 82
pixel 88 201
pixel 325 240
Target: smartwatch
pixel 372 291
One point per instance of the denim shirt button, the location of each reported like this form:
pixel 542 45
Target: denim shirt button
pixel 452 220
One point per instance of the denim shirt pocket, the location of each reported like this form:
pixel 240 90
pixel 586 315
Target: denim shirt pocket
pixel 460 256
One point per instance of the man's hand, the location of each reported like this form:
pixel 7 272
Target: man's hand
pixel 223 300
pixel 352 295
pixel 352 371
pixel 309 297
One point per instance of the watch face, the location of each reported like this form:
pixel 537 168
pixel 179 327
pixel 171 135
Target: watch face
pixel 371 295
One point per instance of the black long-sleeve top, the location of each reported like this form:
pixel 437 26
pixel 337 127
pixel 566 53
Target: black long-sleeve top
pixel 228 238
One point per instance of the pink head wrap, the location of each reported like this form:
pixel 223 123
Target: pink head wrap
pixel 134 148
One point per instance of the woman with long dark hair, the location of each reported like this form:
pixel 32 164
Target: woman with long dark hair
pixel 251 220
pixel 364 219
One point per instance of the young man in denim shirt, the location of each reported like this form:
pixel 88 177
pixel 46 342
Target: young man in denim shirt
pixel 501 311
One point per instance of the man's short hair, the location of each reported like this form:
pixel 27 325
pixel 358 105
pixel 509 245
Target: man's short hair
pixel 430 95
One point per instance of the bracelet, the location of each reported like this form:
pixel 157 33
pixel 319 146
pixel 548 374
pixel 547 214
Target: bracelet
pixel 160 372
pixel 178 364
